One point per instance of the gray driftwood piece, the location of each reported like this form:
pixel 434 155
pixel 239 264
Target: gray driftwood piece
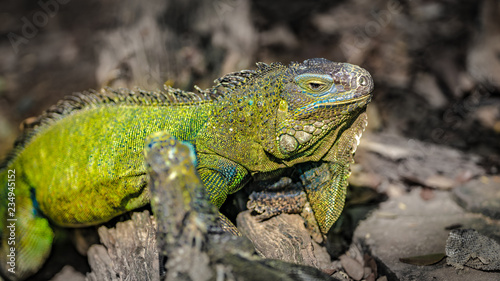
pixel 129 251
pixel 284 237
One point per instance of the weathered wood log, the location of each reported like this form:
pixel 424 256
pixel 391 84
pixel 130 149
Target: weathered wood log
pixel 284 237
pixel 129 251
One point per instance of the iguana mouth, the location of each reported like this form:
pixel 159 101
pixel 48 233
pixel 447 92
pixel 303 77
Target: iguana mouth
pixel 330 103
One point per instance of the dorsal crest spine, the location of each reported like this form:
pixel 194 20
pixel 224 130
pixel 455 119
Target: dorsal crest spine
pixel 235 80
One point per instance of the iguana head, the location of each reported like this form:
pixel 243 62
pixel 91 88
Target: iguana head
pixel 287 110
pixel 317 96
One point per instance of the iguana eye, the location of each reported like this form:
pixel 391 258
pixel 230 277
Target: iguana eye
pixel 316 85
pixel 313 83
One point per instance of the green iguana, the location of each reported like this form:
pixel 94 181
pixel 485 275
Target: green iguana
pixel 81 163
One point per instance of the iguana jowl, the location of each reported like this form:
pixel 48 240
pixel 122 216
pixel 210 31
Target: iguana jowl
pixel 82 162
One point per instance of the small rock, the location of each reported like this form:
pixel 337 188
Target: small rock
pixel 466 247
pixel 353 268
pixel 367 272
pixel 394 190
pixel 440 182
pixel 68 273
pixel 369 261
pixel 370 277
pixel 480 196
pixel 355 253
pixel 427 193
pixel 341 276
pixel 464 176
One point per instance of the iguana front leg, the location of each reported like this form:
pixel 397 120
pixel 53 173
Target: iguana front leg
pixel 326 187
pixel 220 176
pixel 326 184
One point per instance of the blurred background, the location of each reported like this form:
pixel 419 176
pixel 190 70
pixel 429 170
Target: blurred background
pixel 436 64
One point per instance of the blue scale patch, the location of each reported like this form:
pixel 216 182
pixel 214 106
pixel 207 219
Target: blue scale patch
pixel 36 207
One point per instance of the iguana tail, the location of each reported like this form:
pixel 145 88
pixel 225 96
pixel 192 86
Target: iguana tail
pixel 25 235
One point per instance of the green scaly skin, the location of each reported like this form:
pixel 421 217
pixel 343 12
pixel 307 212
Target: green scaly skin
pixel 81 163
